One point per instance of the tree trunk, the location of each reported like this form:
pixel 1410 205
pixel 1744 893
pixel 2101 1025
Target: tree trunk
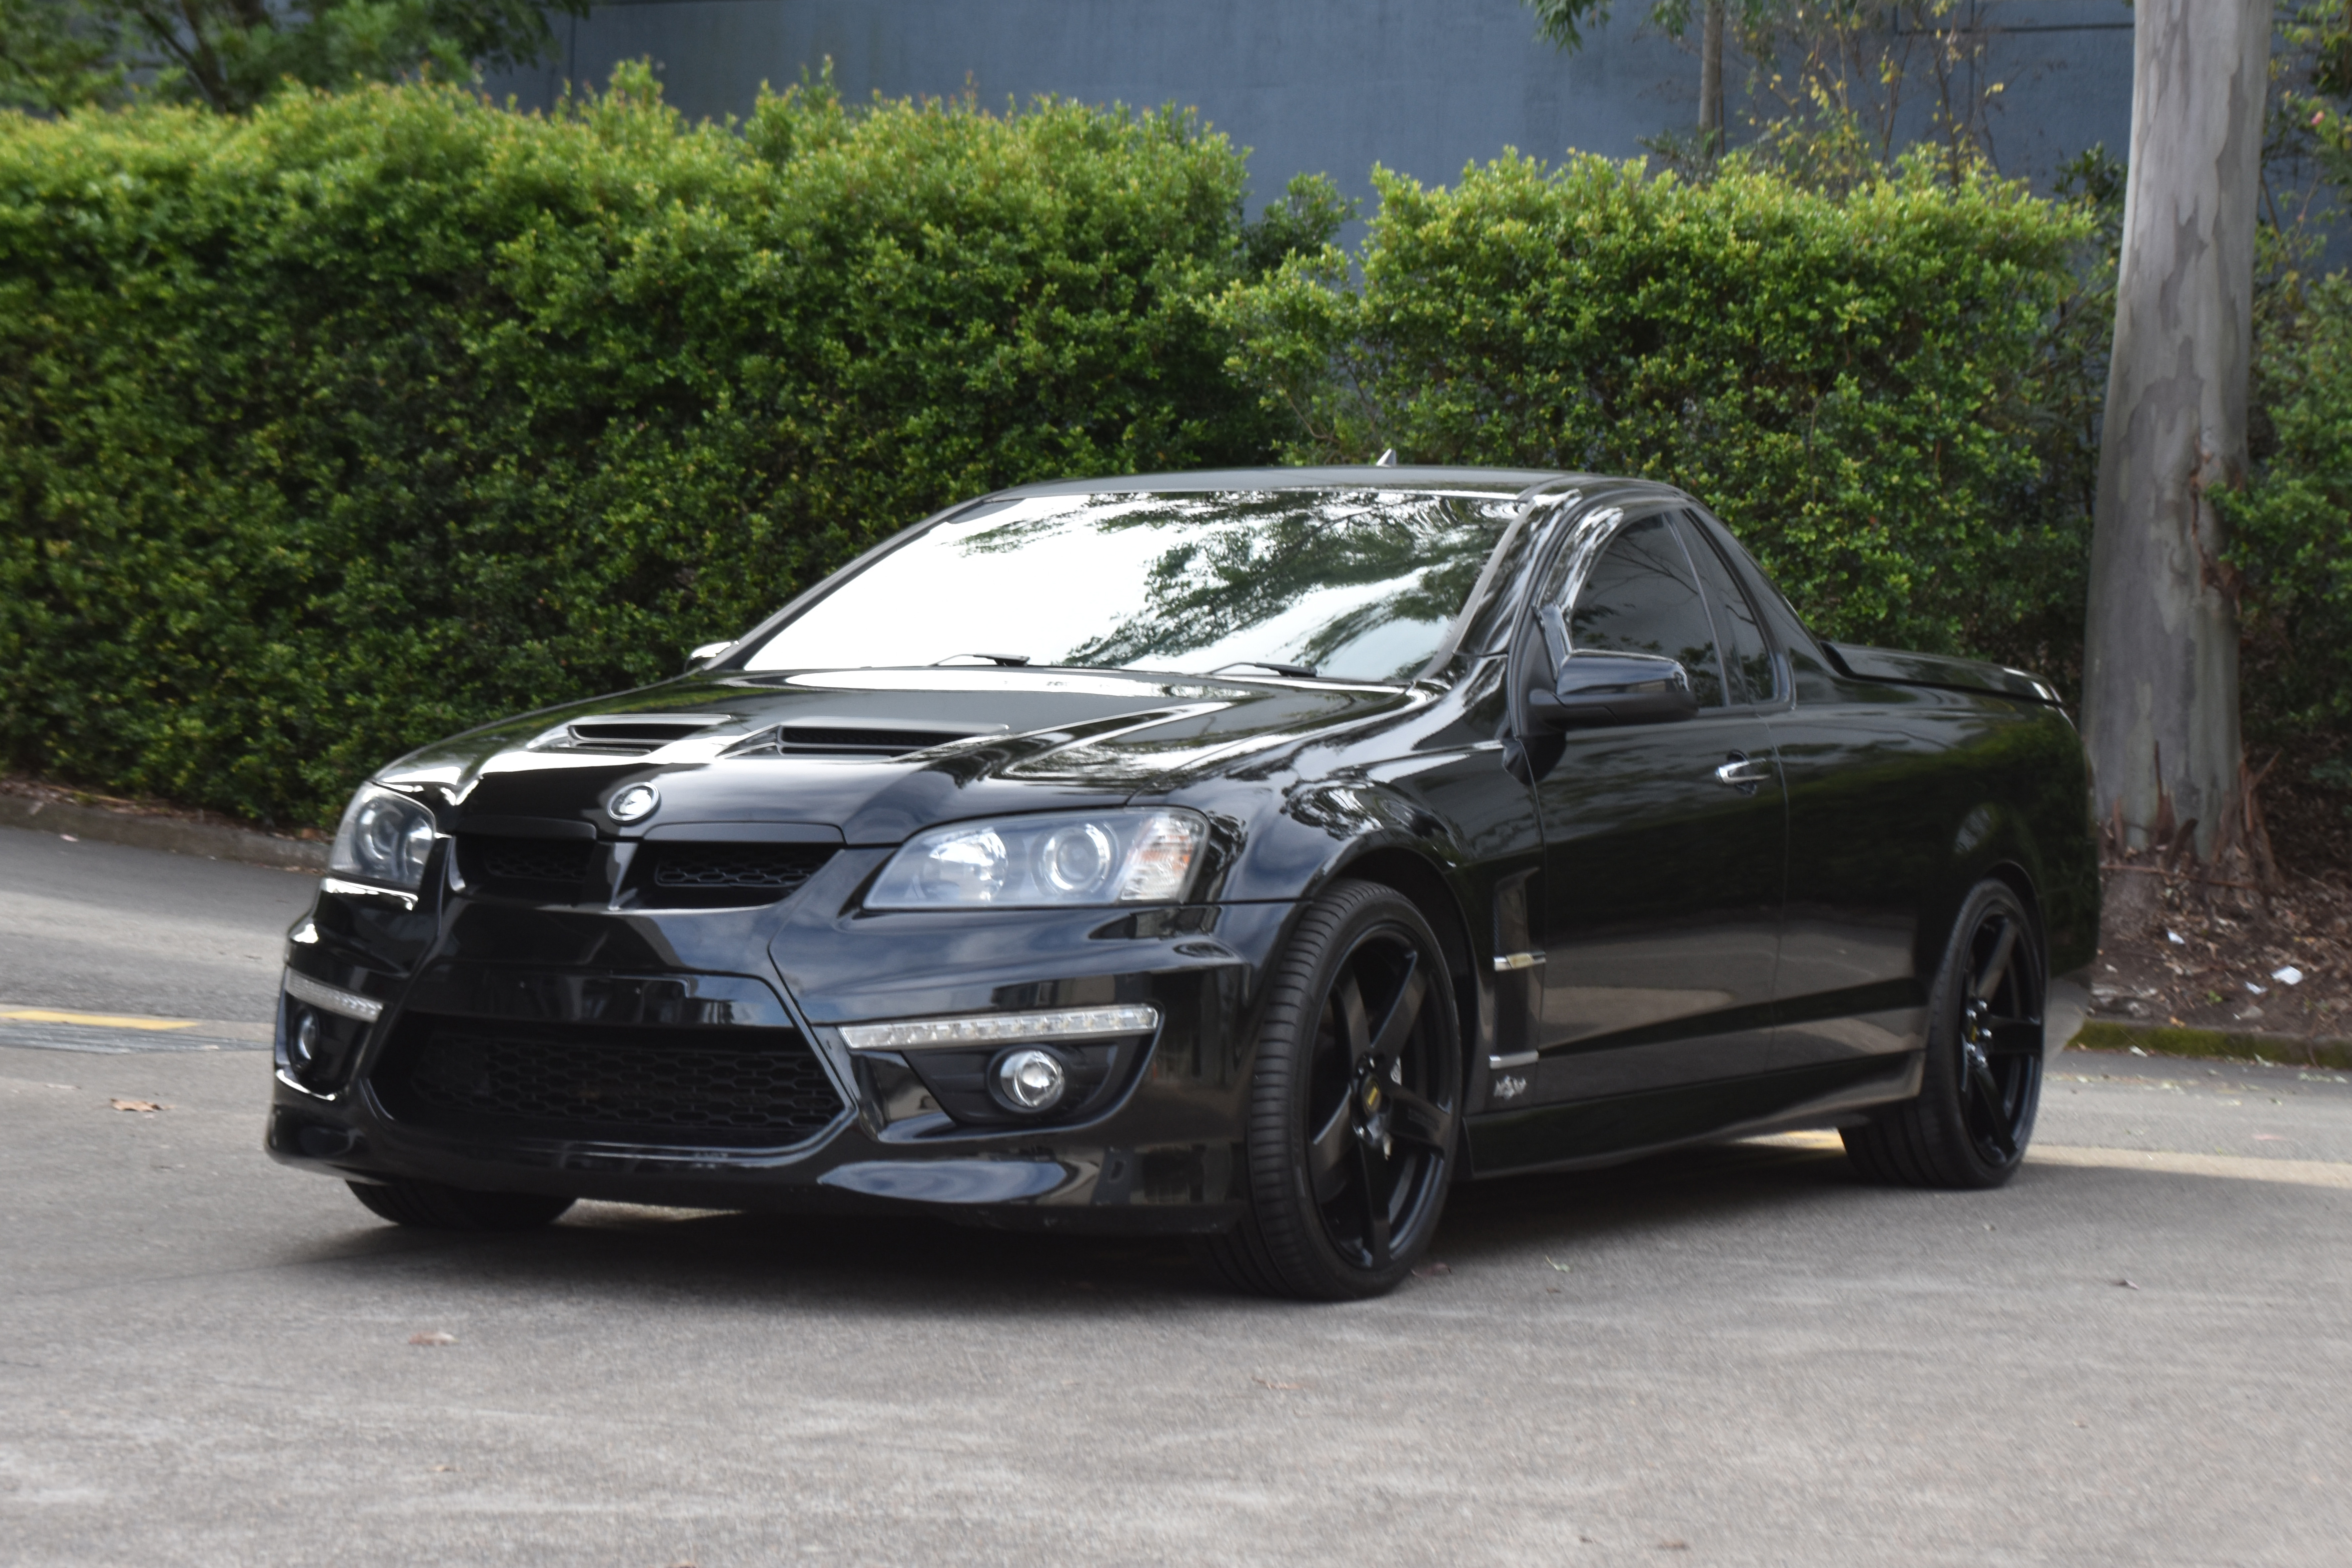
pixel 1710 78
pixel 2160 656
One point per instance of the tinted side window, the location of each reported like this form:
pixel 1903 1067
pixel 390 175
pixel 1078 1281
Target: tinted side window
pixel 1640 599
pixel 1747 673
pixel 1814 683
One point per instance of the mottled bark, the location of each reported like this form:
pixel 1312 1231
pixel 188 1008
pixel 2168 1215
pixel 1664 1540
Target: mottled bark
pixel 2160 676
pixel 1710 77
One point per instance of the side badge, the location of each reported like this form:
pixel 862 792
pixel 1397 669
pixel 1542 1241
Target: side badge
pixel 1509 1087
pixel 634 803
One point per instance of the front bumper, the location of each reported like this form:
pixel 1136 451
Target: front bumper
pixel 1157 1149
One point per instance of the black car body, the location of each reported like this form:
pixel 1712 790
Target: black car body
pixel 1655 924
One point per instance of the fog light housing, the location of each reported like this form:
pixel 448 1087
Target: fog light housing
pixel 302 1044
pixel 1031 1080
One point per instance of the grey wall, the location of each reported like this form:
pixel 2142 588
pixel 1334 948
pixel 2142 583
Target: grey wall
pixel 1329 86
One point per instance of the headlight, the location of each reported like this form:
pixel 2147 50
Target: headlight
pixel 1099 858
pixel 385 837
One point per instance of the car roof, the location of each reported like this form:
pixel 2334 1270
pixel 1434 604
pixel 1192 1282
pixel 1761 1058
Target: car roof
pixel 1502 482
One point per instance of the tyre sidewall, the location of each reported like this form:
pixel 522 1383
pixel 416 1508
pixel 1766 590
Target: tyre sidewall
pixel 1942 1096
pixel 1283 1201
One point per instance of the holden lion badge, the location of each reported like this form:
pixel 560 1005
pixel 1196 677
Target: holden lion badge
pixel 636 801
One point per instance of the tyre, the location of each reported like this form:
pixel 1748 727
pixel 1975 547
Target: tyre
pixel 428 1206
pixel 1354 1106
pixel 1982 1082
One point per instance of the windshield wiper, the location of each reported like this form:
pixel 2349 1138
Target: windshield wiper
pixel 992 658
pixel 1296 671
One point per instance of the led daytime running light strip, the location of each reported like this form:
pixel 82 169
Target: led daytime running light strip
pixel 350 1004
pixel 1001 1028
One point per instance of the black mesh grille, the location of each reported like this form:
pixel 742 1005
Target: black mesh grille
pixel 748 1088
pixel 736 865
pixel 686 874
pixel 527 860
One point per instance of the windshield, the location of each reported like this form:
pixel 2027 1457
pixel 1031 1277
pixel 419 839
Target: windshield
pixel 1345 585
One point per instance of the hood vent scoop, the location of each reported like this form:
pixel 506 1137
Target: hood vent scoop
pixel 628 735
pixel 852 738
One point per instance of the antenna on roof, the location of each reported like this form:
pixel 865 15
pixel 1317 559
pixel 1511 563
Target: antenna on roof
pixel 1387 459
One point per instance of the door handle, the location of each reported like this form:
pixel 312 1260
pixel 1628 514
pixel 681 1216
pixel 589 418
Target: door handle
pixel 1742 773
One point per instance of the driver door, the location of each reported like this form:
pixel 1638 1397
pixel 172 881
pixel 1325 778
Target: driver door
pixel 1663 847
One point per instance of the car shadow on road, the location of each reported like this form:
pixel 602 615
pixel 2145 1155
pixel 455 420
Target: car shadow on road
pixel 781 1260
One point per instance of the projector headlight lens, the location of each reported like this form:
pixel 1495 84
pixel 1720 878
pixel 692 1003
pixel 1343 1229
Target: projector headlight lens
pixel 385 837
pixel 1148 856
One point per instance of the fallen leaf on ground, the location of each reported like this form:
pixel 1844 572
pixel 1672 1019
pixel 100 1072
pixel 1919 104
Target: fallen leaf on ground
pixel 1432 1271
pixel 2127 1284
pixel 135 1105
pixel 433 1336
pixel 1262 1382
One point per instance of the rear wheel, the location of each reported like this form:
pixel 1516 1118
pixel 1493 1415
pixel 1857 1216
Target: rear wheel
pixel 428 1206
pixel 1974 1114
pixel 1352 1113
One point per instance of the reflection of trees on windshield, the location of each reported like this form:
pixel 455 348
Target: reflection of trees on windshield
pixel 1237 562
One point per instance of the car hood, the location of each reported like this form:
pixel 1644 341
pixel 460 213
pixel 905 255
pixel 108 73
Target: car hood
pixel 877 754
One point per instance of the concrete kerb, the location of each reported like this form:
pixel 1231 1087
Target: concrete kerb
pixel 147 832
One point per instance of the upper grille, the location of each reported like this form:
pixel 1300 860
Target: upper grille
pixel 736 865
pixel 539 861
pixel 684 876
pixel 737 1087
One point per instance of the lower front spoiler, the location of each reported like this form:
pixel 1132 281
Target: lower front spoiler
pixel 1178 1189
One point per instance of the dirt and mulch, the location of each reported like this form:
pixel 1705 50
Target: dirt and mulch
pixel 74 813
pixel 2255 944
pixel 46 793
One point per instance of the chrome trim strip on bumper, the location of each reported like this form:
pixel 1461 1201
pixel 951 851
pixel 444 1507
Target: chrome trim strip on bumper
pixel 332 998
pixel 1001 1028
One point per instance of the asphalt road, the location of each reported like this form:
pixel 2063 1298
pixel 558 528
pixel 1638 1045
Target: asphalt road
pixel 1737 1355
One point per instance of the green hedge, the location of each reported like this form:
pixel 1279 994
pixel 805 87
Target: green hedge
pixel 1873 391
pixel 2293 524
pixel 371 416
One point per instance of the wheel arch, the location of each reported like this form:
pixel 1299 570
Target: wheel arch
pixel 1419 878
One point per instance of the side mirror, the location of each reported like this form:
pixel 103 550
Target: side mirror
pixel 708 650
pixel 1597 689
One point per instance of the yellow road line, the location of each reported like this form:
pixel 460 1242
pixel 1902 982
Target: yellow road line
pixel 2236 1167
pixel 95 1020
pixel 2163 1162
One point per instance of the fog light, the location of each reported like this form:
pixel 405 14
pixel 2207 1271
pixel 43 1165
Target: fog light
pixel 304 1047
pixel 1032 1080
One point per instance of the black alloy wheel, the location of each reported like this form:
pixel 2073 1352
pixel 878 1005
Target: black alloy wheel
pixel 429 1206
pixel 1983 1086
pixel 1354 1108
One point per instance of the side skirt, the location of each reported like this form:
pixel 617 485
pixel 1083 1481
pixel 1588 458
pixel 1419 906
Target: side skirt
pixel 1626 1126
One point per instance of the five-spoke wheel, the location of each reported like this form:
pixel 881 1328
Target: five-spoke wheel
pixel 1353 1105
pixel 1982 1082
